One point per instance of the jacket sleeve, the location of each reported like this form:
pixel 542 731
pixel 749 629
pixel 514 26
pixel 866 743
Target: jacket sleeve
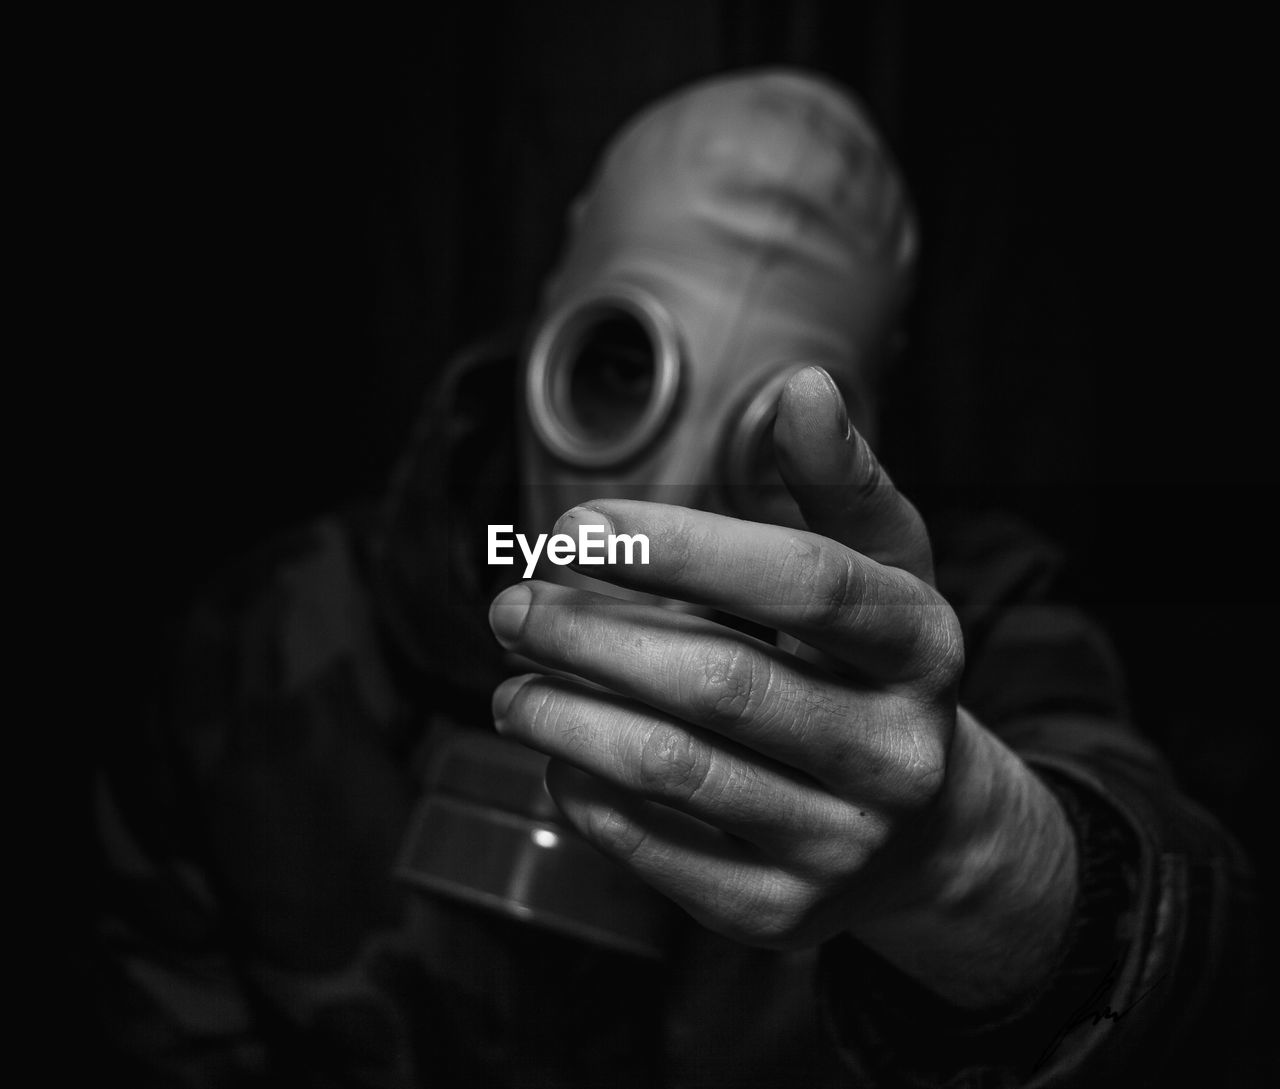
pixel 1154 982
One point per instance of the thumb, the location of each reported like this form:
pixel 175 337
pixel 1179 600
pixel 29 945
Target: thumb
pixel 842 490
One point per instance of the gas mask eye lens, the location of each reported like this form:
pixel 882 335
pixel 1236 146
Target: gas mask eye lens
pixel 611 380
pixel 602 379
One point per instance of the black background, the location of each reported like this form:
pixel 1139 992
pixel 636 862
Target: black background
pixel 304 219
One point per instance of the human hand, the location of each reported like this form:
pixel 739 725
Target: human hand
pixel 784 794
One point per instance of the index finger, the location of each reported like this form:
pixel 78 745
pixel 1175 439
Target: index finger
pixel 877 618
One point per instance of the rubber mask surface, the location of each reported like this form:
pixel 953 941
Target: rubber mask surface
pixel 733 232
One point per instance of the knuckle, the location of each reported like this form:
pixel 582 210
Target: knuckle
pixel 733 680
pixel 900 761
pixel 798 574
pixel 673 764
pixel 921 773
pixel 831 587
pixel 940 645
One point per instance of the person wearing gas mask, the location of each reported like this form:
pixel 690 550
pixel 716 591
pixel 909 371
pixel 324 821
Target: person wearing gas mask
pixel 817 810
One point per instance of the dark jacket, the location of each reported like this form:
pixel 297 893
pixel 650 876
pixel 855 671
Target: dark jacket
pixel 252 930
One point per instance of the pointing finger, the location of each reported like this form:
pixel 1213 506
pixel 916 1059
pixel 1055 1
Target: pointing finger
pixel 843 491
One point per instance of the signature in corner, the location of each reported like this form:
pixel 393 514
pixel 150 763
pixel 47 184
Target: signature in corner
pixel 1093 1009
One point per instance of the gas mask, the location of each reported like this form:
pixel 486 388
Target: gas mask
pixel 734 232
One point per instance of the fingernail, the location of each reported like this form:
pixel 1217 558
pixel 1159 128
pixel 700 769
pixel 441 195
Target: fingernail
pixel 508 612
pixel 843 428
pixel 503 695
pixel 571 519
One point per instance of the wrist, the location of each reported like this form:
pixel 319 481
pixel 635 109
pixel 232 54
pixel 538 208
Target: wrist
pixel 995 875
pixel 886 1020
